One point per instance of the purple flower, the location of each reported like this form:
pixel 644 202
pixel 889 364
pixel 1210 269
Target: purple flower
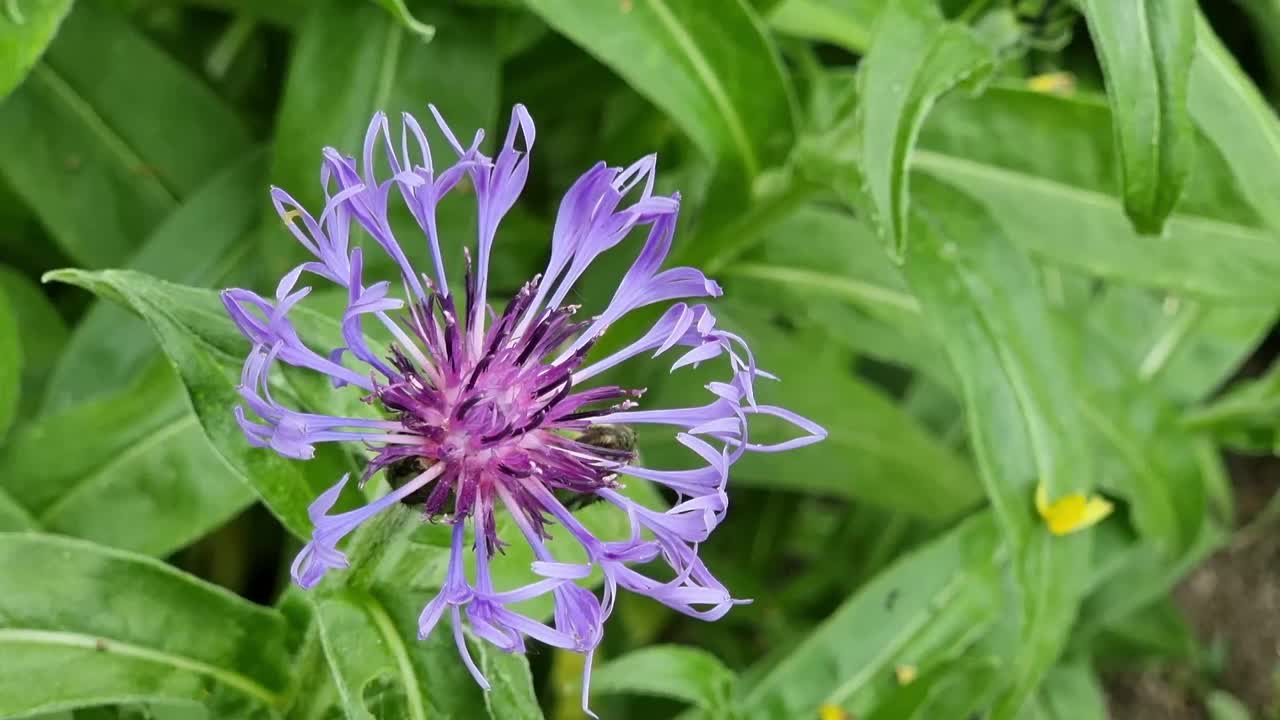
pixel 483 412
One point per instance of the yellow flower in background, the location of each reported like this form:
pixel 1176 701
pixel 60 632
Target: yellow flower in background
pixel 1054 83
pixel 906 674
pixel 833 712
pixel 1071 512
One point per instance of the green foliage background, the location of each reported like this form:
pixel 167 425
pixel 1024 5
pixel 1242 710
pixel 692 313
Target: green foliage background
pixel 977 277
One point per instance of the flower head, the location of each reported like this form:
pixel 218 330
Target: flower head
pixel 481 412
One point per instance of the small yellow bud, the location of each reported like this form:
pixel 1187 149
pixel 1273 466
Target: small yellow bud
pixel 833 712
pixel 906 674
pixel 1054 83
pixel 1072 512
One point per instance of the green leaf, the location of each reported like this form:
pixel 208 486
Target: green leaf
pixel 1238 120
pixel 711 68
pixel 847 24
pixel 197 244
pixel 1247 417
pixel 1224 706
pixel 674 671
pixel 11 368
pixel 24 37
pixel 915 57
pixel 1142 572
pixel 101 152
pixel 930 604
pixel 12 515
pixel 402 15
pixel 954 689
pixel 370 640
pixel 1050 192
pixel 1072 692
pixel 138 453
pixel 42 334
pixel 1146 50
pixel 201 342
pixel 1158 633
pixel 132 629
pixel 512 696
pixel 981 297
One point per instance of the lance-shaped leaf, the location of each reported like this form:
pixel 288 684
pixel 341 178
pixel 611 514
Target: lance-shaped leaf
pixel 25 32
pixel 1052 194
pixel 1146 47
pixel 206 349
pixel 102 151
pixel 683 673
pixel 932 603
pixel 915 57
pixel 379 666
pixel 41 331
pixel 980 295
pixel 89 626
pixel 710 66
pixel 197 244
pixel 142 476
pixel 1236 118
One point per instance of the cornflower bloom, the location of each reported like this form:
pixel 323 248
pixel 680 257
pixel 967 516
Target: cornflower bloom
pixel 481 410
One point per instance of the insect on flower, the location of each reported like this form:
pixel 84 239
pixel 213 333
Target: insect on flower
pixel 480 412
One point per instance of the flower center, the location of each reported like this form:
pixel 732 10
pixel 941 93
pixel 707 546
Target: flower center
pixel 501 416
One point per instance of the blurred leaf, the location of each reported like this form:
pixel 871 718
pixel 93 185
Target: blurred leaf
pixel 1051 193
pixel 1143 572
pixel 710 67
pixel 847 24
pixel 1265 15
pixel 1146 50
pixel 130 469
pixel 1246 417
pixel 947 592
pixel 1238 120
pixel 1224 706
pixel 11 367
pixel 25 31
pixel 108 134
pixel 1157 633
pixel 512 697
pixel 201 342
pixel 90 626
pixel 41 331
pixel 12 515
pixel 197 244
pixel 955 689
pixel 406 19
pixel 330 104
pixel 1071 691
pixel 370 640
pixel 1182 347
pixel 888 458
pixel 841 259
pixel 327 103
pixel 915 57
pixel 980 295
pixel 681 673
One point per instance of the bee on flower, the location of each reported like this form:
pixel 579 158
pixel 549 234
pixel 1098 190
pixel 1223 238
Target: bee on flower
pixel 482 412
